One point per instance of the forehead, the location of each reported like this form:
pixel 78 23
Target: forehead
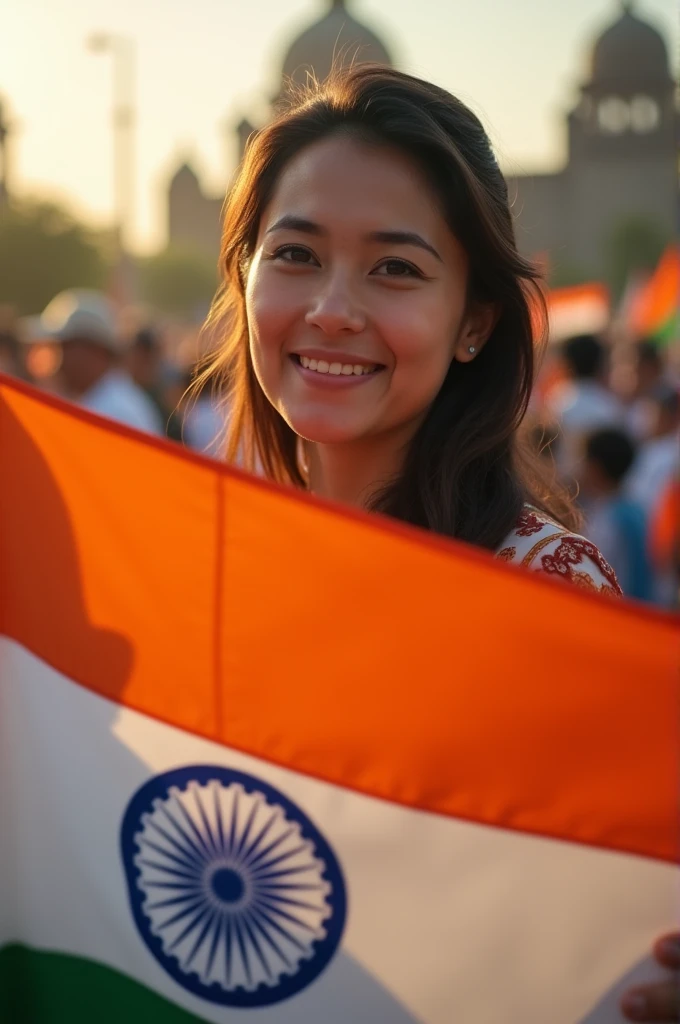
pixel 349 181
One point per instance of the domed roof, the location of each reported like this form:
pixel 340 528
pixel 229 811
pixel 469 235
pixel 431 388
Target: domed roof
pixel 185 175
pixel 630 49
pixel 337 36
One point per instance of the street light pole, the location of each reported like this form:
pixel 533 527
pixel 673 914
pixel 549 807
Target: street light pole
pixel 122 50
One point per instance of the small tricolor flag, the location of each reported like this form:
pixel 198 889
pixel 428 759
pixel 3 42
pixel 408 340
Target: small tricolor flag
pixel 578 309
pixel 264 760
pixel 655 308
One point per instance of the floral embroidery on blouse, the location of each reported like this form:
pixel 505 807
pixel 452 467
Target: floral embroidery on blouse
pixel 542 545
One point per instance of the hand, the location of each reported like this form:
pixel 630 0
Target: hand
pixel 660 1002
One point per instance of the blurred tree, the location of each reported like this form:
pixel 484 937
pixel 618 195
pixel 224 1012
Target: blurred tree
pixel 43 250
pixel 634 244
pixel 563 274
pixel 180 281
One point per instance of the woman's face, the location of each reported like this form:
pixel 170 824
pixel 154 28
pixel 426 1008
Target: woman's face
pixel 356 294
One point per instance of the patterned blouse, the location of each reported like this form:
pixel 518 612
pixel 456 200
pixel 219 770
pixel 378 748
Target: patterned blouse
pixel 542 545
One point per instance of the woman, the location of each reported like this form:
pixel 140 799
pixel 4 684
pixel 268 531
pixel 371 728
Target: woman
pixel 379 323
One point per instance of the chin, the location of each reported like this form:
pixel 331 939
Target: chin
pixel 323 431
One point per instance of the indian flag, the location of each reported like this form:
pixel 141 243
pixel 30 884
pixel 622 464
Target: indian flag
pixel 578 309
pixel 655 309
pixel 264 760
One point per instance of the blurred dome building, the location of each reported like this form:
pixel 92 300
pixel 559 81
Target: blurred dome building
pixel 334 40
pixel 621 167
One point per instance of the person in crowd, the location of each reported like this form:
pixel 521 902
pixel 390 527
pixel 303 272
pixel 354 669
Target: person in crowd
pixel 659 457
pixel 651 375
pixel 147 367
pixel 665 545
pixel 614 522
pixel 204 423
pixel 583 402
pixel 92 372
pixel 377 328
pixel 11 361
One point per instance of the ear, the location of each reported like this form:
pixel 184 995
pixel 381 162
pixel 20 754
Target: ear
pixel 475 331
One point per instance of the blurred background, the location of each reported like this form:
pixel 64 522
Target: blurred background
pixel 122 126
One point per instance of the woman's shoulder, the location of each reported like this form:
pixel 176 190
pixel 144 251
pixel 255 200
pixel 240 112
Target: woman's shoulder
pixel 543 545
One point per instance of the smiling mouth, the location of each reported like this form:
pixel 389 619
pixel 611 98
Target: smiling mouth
pixel 337 369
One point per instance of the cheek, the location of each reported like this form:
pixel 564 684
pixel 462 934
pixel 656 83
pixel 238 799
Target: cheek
pixel 270 308
pixel 422 336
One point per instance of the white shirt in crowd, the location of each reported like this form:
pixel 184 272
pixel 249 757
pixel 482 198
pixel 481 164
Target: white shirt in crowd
pixel 657 462
pixel 117 397
pixel 580 407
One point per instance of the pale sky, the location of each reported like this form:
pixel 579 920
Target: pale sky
pixel 204 64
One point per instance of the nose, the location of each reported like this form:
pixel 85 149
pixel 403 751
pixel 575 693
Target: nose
pixel 334 310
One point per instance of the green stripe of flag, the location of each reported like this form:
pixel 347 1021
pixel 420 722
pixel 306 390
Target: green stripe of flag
pixel 51 988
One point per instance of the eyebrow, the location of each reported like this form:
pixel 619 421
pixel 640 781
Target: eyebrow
pixel 309 227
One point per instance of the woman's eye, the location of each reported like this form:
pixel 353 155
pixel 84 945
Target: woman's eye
pixel 294 254
pixel 397 268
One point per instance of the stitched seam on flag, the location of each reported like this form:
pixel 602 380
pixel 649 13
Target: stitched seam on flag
pixel 220 543
pixel 555 834
pixel 372 520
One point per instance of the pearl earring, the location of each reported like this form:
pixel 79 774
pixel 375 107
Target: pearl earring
pixel 471 350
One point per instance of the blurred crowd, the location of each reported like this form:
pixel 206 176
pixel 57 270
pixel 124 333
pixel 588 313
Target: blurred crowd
pixel 605 418
pixel 126 367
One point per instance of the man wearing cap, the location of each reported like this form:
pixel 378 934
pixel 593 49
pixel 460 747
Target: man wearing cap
pixel 84 324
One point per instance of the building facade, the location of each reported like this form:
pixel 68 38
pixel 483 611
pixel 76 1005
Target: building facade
pixel 621 154
pixel 622 165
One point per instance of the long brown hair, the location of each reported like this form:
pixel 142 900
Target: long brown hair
pixel 465 474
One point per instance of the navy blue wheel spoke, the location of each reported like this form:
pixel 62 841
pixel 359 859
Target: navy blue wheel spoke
pixel 253 848
pixel 287 901
pixel 189 928
pixel 200 838
pixel 219 928
pixel 228 945
pixel 272 846
pixel 283 873
pixel 246 831
pixel 258 912
pixel 218 817
pixel 177 886
pixel 188 865
pixel 199 851
pixel 274 887
pixel 212 842
pixel 210 920
pixel 172 901
pixel 169 870
pixel 243 948
pixel 254 920
pixel 274 908
pixel 256 945
pixel 282 856
pixel 198 904
pixel 186 852
pixel 233 831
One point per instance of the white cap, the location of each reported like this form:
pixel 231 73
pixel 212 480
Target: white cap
pixel 80 313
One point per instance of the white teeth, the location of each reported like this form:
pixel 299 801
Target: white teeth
pixel 336 369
